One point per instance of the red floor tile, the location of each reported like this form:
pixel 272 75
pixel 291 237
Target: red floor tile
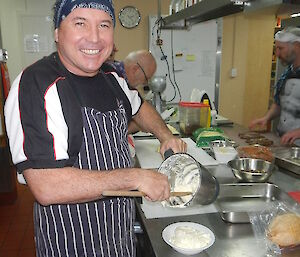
pixel 9 253
pixel 16 226
pixel 13 240
pixel 28 241
pixel 27 253
pixel 5 224
pixel 8 211
pixel 2 237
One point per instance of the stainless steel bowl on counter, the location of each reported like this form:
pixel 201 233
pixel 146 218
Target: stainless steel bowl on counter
pixel 288 158
pixel 295 154
pixel 252 170
pixel 222 143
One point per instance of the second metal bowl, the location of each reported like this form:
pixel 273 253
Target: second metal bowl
pixel 252 170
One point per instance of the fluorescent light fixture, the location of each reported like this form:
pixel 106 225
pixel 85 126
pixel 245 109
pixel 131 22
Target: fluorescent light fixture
pixel 295 15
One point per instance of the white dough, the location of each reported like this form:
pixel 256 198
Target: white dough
pixel 189 238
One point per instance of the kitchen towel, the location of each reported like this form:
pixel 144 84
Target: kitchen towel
pixel 147 152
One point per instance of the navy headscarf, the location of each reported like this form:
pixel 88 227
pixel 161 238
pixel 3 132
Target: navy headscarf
pixel 62 8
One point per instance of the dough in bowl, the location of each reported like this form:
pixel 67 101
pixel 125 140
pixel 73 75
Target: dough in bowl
pixel 284 230
pixel 190 238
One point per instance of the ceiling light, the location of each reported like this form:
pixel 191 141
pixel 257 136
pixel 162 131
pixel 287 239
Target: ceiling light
pixel 295 15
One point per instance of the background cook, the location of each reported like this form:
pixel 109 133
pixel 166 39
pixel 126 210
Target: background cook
pixel 286 104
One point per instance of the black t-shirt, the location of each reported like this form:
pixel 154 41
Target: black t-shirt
pixel 43 111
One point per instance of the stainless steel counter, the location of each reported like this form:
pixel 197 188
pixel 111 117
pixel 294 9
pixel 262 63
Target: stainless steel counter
pixel 232 240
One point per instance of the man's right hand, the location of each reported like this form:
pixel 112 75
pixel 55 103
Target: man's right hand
pixel 154 184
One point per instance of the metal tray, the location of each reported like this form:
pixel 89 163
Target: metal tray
pixel 235 201
pixel 289 159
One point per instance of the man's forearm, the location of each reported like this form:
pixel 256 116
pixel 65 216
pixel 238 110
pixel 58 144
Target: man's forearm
pixel 72 185
pixel 273 112
pixel 150 120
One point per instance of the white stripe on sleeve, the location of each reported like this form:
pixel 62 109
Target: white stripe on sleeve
pixel 132 95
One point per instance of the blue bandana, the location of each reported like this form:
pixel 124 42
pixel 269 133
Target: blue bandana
pixel 63 8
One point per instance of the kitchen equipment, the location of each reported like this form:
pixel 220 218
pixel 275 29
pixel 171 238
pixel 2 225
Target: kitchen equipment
pixel 252 170
pixel 157 85
pixel 170 231
pixel 235 201
pixel 224 154
pixel 138 193
pixel 288 158
pixel 186 174
pixel 192 115
pixel 219 143
pixel 222 143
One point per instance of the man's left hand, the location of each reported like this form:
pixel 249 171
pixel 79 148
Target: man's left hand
pixel 174 143
pixel 289 137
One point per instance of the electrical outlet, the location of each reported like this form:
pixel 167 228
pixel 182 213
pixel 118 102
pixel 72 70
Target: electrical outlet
pixel 233 72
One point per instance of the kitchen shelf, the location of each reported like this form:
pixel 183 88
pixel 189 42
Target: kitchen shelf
pixel 203 11
pixel 213 9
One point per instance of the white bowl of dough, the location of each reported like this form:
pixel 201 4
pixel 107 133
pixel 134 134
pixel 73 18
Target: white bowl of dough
pixel 188 237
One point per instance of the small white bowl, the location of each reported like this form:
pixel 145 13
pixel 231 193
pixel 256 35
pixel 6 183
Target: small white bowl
pixel 169 231
pixel 225 154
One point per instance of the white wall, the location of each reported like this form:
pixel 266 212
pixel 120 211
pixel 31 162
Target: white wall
pixel 194 58
pixel 12 13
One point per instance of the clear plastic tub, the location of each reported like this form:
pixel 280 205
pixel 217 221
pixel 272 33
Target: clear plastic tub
pixel 192 115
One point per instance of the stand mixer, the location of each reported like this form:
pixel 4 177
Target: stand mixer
pixel 157 85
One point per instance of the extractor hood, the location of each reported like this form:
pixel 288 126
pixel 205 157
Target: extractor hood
pixel 281 8
pixel 213 9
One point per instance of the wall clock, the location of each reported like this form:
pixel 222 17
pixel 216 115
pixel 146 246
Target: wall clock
pixel 129 17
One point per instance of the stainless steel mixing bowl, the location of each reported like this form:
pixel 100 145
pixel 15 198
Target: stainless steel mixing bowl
pixel 222 143
pixel 185 172
pixel 252 170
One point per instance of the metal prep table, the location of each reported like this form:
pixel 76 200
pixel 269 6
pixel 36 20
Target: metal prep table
pixel 232 240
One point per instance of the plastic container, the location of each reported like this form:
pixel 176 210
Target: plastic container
pixel 192 116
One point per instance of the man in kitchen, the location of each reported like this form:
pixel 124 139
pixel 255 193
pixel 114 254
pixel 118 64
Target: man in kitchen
pixel 67 126
pixel 137 68
pixel 286 104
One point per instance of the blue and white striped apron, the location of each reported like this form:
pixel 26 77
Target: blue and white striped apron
pixel 103 227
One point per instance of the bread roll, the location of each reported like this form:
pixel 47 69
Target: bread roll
pixel 284 230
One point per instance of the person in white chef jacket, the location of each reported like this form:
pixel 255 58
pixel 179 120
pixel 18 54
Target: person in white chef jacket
pixel 286 104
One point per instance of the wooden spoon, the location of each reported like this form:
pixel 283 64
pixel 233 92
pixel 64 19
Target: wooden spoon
pixel 139 194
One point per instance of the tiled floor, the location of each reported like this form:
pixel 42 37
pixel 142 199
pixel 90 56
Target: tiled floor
pixel 16 226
